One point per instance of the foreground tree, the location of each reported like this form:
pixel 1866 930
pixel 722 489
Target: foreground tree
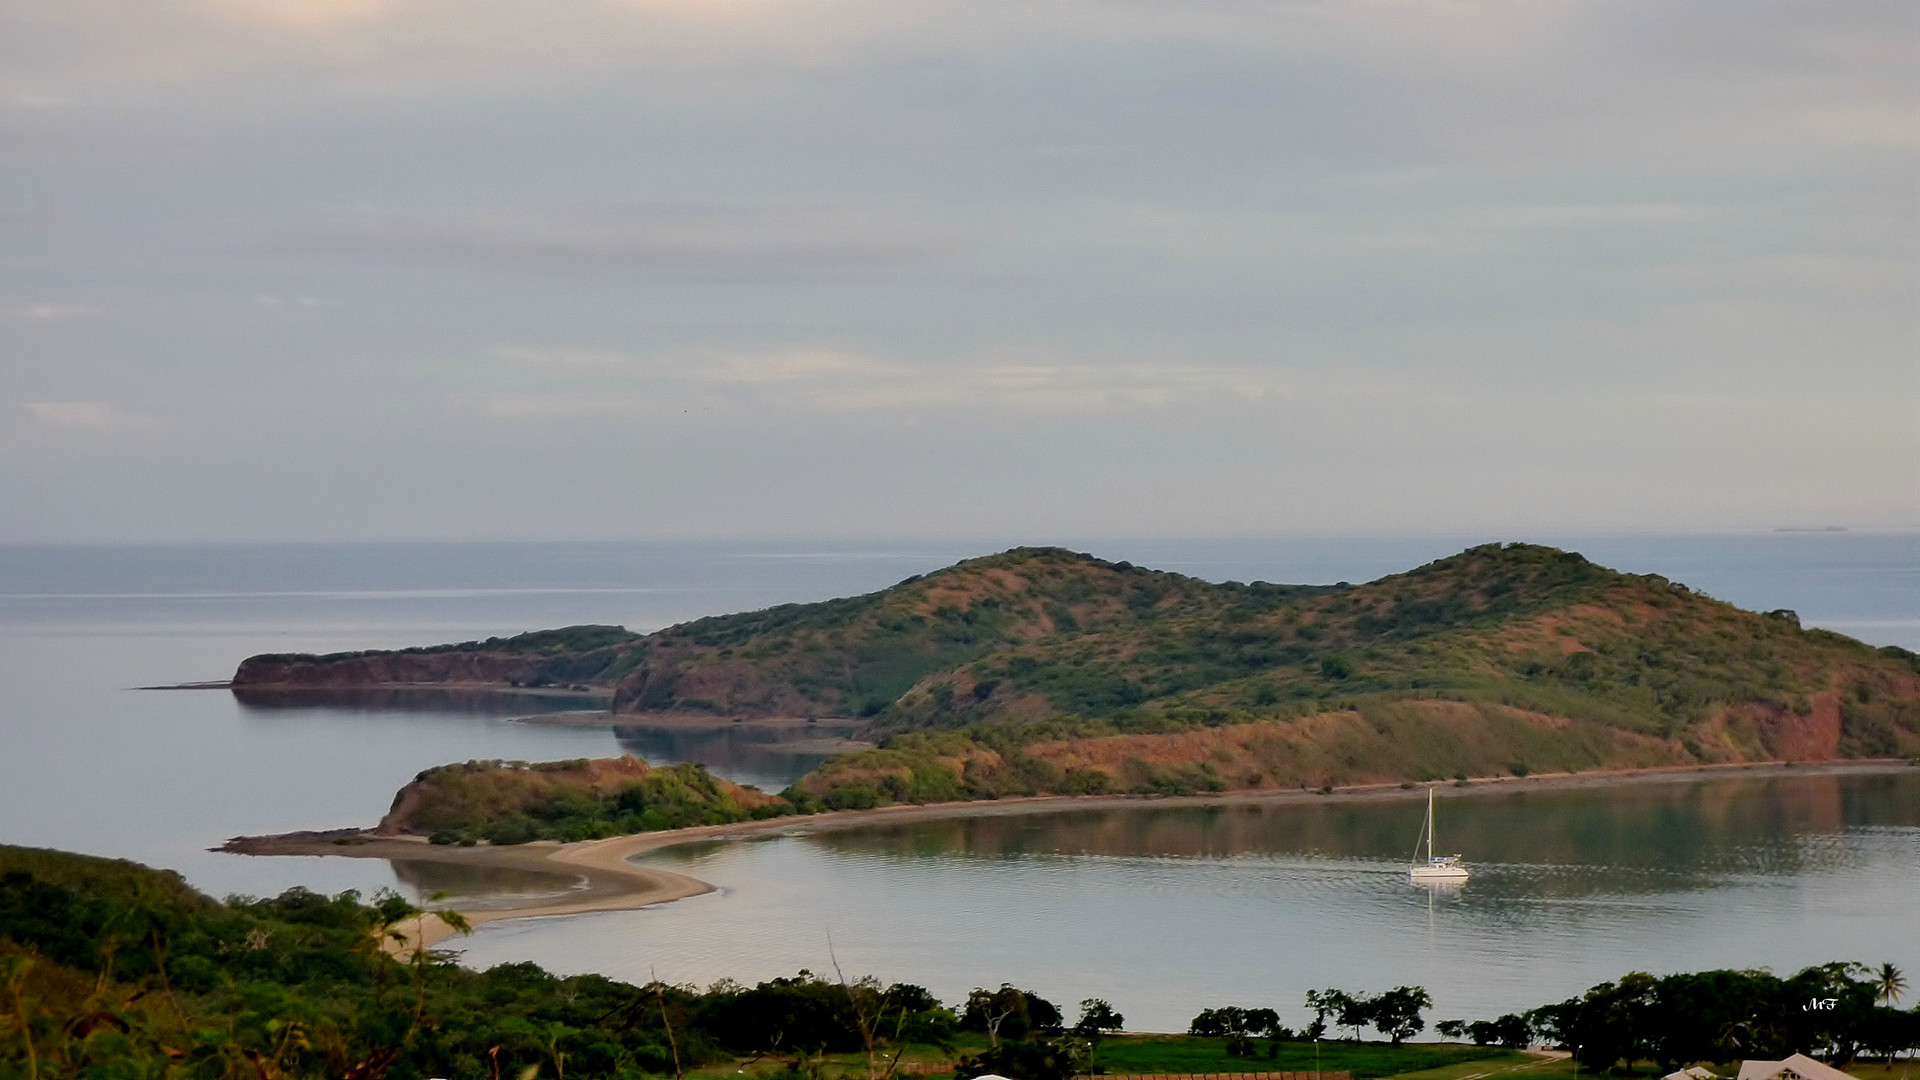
pixel 1096 1019
pixel 1396 1013
pixel 1010 1013
pixel 1889 984
pixel 1060 1057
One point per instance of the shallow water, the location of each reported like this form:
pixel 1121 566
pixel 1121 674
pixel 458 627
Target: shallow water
pixel 1157 911
pixel 1164 911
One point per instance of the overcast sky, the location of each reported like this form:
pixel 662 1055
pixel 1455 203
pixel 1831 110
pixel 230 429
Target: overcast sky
pixel 312 269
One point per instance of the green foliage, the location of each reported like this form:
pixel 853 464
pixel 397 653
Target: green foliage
pixel 1395 1013
pixel 1187 1054
pixel 1673 1020
pixel 516 802
pixel 1051 635
pixel 1097 1018
pixel 567 639
pixel 112 970
pixel 1009 1013
pixel 1060 1057
pixel 108 969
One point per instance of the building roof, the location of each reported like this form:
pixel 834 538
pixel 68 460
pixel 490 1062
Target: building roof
pixel 1799 1066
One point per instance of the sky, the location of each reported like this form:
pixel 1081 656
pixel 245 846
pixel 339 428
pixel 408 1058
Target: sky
pixel 438 269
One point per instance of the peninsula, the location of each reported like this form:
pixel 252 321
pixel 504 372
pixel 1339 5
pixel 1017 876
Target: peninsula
pixel 1003 683
pixel 1105 676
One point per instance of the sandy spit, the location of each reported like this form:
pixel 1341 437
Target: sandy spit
pixel 610 882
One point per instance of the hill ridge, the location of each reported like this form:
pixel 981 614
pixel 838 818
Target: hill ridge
pixel 1051 636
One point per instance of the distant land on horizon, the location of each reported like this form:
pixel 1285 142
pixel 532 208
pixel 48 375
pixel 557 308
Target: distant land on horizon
pixel 1041 670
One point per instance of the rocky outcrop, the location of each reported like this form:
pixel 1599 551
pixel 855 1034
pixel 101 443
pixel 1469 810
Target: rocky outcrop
pixel 575 657
pixel 389 669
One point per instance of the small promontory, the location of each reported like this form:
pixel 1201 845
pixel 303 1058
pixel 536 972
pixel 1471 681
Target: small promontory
pixel 512 802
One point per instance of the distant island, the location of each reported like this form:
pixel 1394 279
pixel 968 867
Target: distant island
pixel 1039 671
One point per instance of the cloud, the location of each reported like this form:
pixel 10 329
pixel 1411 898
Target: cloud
pixel 94 416
pixel 537 357
pixel 1139 236
pixel 698 242
pixel 53 312
pixel 306 15
pixel 828 380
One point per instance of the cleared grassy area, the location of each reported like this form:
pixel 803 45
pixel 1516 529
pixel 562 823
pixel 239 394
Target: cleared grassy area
pixel 1503 1063
pixel 1901 1069
pixel 1124 1054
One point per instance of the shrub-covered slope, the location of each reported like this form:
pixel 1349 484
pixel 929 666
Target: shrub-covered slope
pixel 109 969
pixel 571 656
pixel 511 802
pixel 857 656
pixel 1623 667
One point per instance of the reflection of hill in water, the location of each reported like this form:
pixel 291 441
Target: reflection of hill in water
pixel 476 888
pixel 1629 838
pixel 767 755
pixel 429 699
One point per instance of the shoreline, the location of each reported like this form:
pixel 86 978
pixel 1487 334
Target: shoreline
pixel 609 882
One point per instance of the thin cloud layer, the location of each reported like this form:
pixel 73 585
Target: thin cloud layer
pixel 765 266
pixel 699 242
pixel 823 381
pixel 92 416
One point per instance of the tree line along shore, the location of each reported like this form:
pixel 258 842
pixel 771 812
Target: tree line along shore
pixel 109 968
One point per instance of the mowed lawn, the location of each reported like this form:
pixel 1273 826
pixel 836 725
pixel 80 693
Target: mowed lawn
pixel 1133 1054
pixel 1121 1055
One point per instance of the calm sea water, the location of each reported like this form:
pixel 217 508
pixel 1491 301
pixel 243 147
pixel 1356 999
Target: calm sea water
pixel 1164 912
pixel 1160 911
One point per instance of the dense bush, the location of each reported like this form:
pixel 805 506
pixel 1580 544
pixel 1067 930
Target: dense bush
pixel 514 802
pixel 1835 1011
pixel 110 970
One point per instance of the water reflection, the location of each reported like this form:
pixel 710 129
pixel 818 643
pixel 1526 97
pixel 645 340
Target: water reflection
pixel 769 755
pixel 474 701
pixel 1166 909
pixel 1652 835
pixel 480 888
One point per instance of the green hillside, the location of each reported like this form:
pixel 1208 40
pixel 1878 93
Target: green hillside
pixel 1046 635
pixel 1518 638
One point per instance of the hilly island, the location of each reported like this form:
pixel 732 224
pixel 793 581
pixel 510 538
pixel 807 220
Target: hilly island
pixel 1039 671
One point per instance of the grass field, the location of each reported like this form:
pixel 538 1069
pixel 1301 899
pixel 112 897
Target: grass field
pixel 1133 1054
pixel 1122 1055
pixel 1903 1069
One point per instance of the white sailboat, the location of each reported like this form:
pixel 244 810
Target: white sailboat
pixel 1437 869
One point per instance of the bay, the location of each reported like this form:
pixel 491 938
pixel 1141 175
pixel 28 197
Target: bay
pixel 1164 912
pixel 1234 908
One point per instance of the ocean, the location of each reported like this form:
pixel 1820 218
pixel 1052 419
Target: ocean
pixel 1153 910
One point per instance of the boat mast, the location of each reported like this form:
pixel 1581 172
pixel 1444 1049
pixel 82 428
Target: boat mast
pixel 1429 824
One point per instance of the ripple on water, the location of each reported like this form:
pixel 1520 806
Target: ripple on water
pixel 1162 929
